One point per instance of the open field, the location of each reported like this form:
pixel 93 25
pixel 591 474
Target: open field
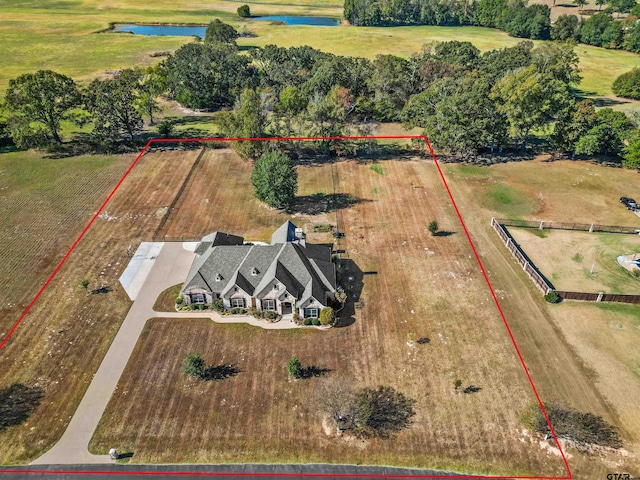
pixel 34 36
pixel 60 344
pixel 566 258
pixel 575 351
pixel 423 284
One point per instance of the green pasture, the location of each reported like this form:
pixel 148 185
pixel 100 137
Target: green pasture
pixel 60 35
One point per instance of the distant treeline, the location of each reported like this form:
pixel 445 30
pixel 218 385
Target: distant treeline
pixel 514 17
pixel 468 103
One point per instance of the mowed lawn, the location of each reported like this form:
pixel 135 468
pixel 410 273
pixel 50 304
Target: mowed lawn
pixel 416 283
pixel 584 355
pixel 37 35
pixel 581 261
pixel 45 205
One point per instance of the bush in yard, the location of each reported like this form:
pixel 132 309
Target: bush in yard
pixel 307 321
pixel 433 227
pixel 294 367
pixel 552 297
pixel 179 299
pixel 83 284
pixel 327 316
pixel 636 272
pixel 341 295
pixel 315 321
pixel 244 11
pixel 194 365
pixel 218 305
pixel 237 311
pixel 270 315
pixel 165 128
pixel 584 428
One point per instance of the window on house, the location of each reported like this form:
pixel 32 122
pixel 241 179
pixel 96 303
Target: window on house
pixel 237 303
pixel 197 298
pixel 311 313
pixel 268 304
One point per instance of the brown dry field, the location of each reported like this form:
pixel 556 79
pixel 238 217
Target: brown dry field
pixel 423 284
pixel 62 341
pixel 567 257
pixel 575 351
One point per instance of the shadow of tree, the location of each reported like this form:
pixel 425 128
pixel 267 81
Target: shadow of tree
pixel 318 203
pixel 313 371
pixel 472 389
pixel 102 289
pixel 123 456
pixel 443 233
pixel 220 372
pixel 17 402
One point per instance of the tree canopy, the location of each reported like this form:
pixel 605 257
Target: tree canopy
pixel 44 97
pixel 275 179
pixel 220 32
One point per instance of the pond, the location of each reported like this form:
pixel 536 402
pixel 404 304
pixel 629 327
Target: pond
pixel 199 30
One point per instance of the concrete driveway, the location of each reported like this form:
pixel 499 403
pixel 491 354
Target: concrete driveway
pixel 171 267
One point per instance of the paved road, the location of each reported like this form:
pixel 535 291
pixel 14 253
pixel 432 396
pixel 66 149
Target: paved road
pixel 224 472
pixel 171 267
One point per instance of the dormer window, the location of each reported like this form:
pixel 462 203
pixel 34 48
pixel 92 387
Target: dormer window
pixel 254 271
pixel 218 277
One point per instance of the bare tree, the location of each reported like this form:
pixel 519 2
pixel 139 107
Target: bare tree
pixel 336 396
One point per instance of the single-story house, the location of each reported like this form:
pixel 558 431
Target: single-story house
pixel 287 276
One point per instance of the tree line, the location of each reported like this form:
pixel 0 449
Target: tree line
pixel 468 103
pixel 514 17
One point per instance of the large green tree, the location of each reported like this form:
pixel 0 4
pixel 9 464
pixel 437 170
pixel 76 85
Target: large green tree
pixel 275 179
pixel 631 153
pixel 248 119
pixel 111 104
pixel 220 32
pixel 608 134
pixel 206 76
pixel 565 27
pixel 45 98
pixel 627 85
pixel 572 124
pixel 530 100
pixel 558 60
pixel 458 116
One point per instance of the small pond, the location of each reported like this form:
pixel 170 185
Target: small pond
pixel 199 30
pixel 315 21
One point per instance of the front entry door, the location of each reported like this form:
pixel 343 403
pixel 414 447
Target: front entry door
pixel 286 308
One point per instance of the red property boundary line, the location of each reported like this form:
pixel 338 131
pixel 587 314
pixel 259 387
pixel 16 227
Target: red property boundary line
pixel 569 475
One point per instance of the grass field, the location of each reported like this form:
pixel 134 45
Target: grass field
pixel 423 284
pixel 60 344
pixel 35 35
pixel 566 258
pixel 575 351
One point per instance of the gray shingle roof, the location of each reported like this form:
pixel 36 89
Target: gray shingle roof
pixel 305 271
pixel 285 233
pixel 218 238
